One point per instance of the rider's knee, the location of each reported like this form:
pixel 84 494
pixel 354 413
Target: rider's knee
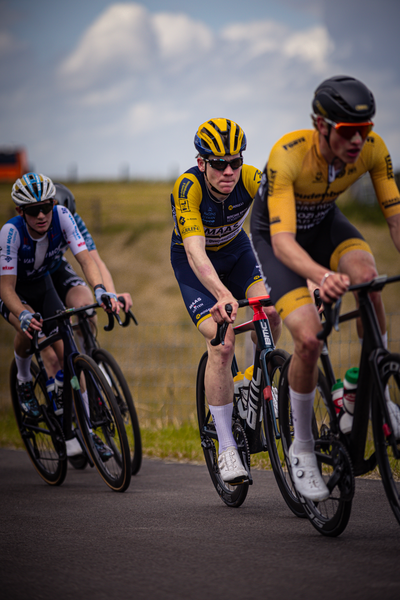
pixel 223 352
pixel 273 317
pixel 308 348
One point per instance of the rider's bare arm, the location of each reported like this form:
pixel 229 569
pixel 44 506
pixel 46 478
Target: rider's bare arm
pixel 195 247
pixel 394 228
pixel 291 254
pixel 108 280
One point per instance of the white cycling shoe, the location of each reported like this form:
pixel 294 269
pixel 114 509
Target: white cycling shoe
pixel 73 447
pixel 306 477
pixel 230 467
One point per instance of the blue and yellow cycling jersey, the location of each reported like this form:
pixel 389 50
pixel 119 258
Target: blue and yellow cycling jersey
pixel 195 212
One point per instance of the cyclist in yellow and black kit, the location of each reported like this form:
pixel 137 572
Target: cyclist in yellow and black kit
pixel 214 263
pixel 299 233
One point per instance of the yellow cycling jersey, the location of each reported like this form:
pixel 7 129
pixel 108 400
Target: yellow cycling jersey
pixel 302 186
pixel 195 212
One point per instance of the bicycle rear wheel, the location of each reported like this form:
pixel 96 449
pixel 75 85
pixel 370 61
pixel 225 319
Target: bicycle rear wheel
pixel 98 415
pixel 117 382
pixel 331 516
pixel 389 463
pixel 233 496
pixel 272 425
pixel 43 437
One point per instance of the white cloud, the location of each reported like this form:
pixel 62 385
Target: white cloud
pixel 180 37
pixel 119 42
pixel 313 46
pixel 149 117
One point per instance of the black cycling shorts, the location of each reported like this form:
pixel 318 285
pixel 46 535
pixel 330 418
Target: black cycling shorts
pixel 42 297
pixel 325 243
pixel 65 278
pixel 236 266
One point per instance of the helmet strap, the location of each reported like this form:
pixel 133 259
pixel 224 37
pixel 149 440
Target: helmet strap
pixel 214 189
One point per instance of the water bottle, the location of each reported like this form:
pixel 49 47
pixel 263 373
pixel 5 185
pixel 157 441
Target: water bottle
pixel 349 396
pixel 350 389
pixel 237 390
pixel 50 387
pixel 337 395
pixel 248 375
pixel 58 391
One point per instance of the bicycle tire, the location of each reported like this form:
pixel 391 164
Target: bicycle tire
pixel 232 496
pixel 45 448
pixel 389 465
pixel 117 382
pixel 330 517
pixel 275 363
pixel 104 419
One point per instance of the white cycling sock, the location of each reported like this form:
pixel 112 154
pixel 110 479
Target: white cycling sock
pixel 222 416
pixel 23 368
pixel 302 410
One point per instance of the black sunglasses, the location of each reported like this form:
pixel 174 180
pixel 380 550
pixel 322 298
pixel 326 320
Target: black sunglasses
pixel 220 164
pixel 36 209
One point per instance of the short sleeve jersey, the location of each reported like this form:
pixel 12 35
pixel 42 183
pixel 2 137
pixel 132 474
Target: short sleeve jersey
pixel 301 187
pixel 31 259
pixel 90 245
pixel 196 213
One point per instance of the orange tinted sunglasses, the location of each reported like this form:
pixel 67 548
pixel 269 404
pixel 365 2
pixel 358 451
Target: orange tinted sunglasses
pixel 348 130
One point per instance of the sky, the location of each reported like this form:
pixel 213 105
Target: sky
pixel 100 89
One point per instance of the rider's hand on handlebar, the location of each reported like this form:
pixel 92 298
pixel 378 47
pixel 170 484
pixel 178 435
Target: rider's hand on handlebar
pixel 334 285
pixel 29 322
pixel 219 313
pixel 100 291
pixel 127 299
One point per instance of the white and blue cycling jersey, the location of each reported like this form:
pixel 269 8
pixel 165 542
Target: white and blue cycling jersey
pixel 90 245
pixel 31 259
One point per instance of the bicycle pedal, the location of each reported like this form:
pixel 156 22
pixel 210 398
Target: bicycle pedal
pixel 244 480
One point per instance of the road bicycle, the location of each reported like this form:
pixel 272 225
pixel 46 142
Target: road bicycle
pixel 89 410
pixel 341 456
pixel 116 380
pixel 255 422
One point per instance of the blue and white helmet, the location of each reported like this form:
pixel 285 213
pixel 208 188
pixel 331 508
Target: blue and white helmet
pixel 33 187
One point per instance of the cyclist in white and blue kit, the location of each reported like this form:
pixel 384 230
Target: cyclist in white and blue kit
pixel 30 246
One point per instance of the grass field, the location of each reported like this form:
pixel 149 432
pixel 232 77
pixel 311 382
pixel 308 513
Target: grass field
pixel 131 223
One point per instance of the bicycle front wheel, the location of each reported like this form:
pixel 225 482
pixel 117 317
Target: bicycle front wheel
pixel 272 425
pixel 387 452
pixel 233 496
pixel 117 382
pixel 331 516
pixel 43 438
pixel 101 424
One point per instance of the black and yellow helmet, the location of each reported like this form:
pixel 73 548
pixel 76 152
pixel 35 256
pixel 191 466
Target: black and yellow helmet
pixel 220 137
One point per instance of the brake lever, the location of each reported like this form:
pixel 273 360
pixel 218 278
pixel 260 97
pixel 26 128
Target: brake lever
pixel 128 313
pixel 222 329
pixel 110 315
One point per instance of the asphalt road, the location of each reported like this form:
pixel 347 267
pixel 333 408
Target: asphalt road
pixel 171 537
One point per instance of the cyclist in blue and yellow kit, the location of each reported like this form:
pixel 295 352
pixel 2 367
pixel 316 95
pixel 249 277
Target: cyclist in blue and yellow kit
pixel 214 263
pixel 299 233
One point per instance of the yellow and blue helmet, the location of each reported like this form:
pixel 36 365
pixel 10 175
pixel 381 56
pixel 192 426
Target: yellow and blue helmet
pixel 220 137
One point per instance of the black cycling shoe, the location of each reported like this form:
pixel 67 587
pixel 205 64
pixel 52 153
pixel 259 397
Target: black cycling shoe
pixel 104 451
pixel 27 400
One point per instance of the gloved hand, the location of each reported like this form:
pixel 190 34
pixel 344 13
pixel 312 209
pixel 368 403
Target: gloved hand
pixel 25 319
pixel 100 291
